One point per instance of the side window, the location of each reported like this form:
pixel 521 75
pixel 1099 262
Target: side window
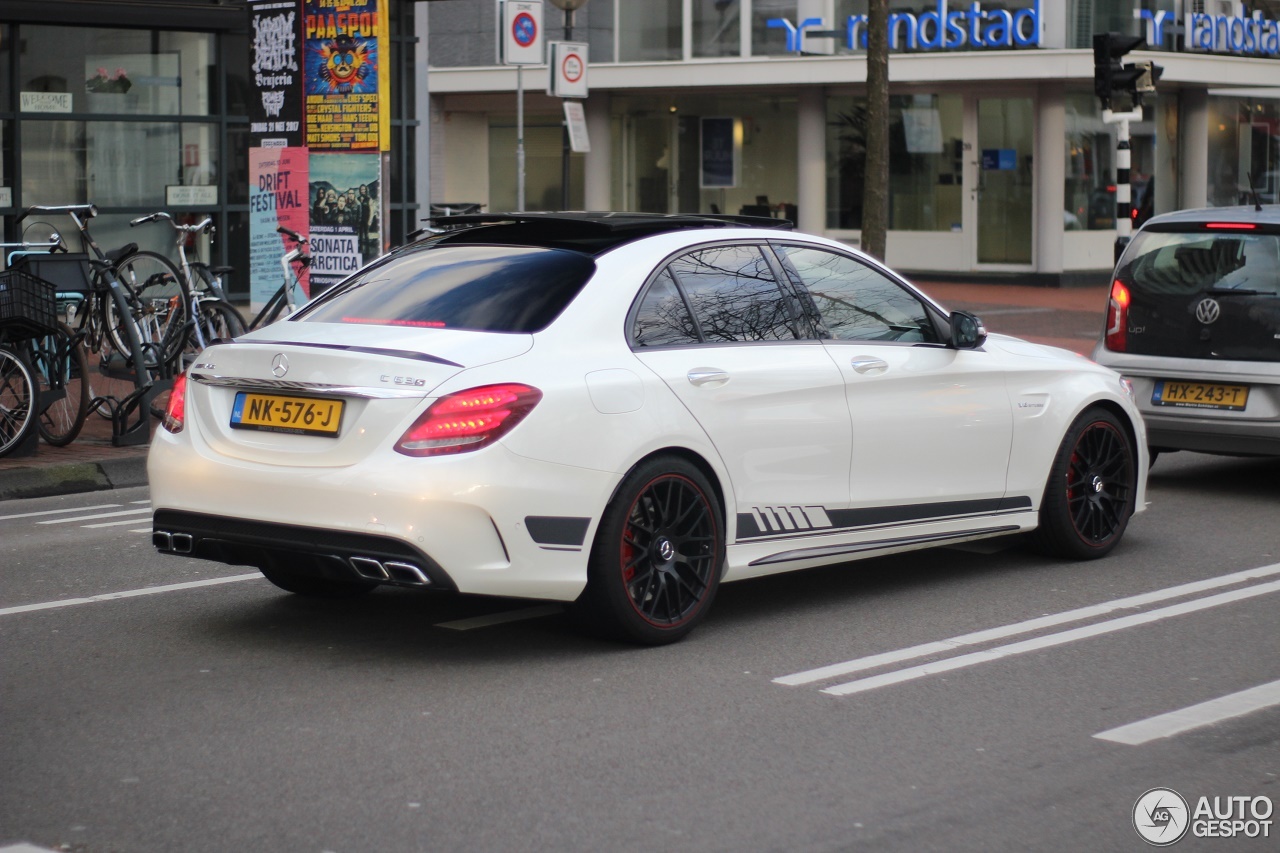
pixel 663 320
pixel 735 296
pixel 856 302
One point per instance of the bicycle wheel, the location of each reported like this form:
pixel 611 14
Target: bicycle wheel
pixel 219 321
pixel 61 370
pixel 154 288
pixel 17 394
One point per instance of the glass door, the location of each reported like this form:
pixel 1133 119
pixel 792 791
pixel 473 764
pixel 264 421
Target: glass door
pixel 1004 192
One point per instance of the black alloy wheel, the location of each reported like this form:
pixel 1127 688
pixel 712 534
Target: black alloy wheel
pixel 658 555
pixel 1090 495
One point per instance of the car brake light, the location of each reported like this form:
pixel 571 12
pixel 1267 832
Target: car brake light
pixel 468 420
pixel 176 412
pixel 1231 226
pixel 1117 335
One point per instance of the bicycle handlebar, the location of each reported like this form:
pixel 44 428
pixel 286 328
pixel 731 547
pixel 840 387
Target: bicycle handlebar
pixel 88 211
pixel 54 244
pixel 200 227
pixel 293 235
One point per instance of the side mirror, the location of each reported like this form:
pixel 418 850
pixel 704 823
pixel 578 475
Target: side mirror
pixel 967 331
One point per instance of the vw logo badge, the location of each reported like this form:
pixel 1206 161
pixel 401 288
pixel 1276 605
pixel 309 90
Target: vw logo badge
pixel 279 365
pixel 1208 311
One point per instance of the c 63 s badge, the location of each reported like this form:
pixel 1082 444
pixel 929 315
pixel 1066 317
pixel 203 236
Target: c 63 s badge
pixel 405 381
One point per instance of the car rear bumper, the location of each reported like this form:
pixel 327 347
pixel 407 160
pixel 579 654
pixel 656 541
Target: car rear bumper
pixel 490 523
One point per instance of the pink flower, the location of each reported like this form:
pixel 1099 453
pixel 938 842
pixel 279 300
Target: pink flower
pixel 120 72
pixel 102 72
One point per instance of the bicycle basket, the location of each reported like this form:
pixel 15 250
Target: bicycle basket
pixel 27 305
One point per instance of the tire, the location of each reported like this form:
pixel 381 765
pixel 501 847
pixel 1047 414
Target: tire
pixel 314 586
pixel 219 321
pixel 658 555
pixel 17 396
pixel 1089 497
pixel 60 367
pixel 155 284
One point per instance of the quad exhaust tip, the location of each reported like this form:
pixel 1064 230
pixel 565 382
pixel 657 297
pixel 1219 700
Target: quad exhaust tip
pixel 393 571
pixel 173 543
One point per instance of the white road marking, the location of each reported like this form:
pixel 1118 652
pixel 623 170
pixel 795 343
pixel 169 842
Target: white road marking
pixel 1050 640
pixel 1204 714
pixel 148 503
pixel 58 511
pixel 142 530
pixel 132 593
pixel 111 523
pixel 24 847
pixel 836 670
pixel 91 517
pixel 501 618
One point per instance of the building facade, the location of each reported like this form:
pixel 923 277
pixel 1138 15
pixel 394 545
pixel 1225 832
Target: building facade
pixel 144 106
pixel 1000 160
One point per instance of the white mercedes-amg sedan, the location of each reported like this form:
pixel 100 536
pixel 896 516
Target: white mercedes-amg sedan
pixel 622 411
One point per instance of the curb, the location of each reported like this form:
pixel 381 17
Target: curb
pixel 51 480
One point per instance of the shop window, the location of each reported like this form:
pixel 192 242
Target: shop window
pixel 649 30
pixel 5 37
pixel 766 40
pixel 716 28
pixel 1089 191
pixel 543 147
pixel 120 72
pixel 115 163
pixel 1244 141
pixel 925 162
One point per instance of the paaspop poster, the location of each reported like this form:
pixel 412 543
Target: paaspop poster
pixel 345 215
pixel 277 196
pixel 347 100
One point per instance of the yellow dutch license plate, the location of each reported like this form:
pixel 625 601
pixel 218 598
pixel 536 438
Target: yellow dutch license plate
pixel 280 413
pixel 1200 395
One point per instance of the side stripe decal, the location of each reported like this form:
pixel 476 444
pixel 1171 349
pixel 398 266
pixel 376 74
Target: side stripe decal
pixel 763 521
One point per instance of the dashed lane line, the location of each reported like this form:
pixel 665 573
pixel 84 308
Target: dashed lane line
pixel 99 515
pixel 132 593
pixel 1196 716
pixel 835 670
pixel 862 685
pixel 57 512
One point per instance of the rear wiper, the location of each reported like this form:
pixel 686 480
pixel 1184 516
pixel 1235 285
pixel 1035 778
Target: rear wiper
pixel 1238 291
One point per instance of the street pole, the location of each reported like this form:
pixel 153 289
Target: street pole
pixel 520 139
pixel 564 150
pixel 1124 197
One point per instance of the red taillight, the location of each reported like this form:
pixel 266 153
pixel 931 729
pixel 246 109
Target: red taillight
pixel 468 420
pixel 1117 336
pixel 176 412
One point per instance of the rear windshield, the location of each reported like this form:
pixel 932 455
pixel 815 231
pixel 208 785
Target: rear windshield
pixel 480 288
pixel 1188 263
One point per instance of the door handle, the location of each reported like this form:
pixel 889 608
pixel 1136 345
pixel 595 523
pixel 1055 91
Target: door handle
pixel 867 364
pixel 707 376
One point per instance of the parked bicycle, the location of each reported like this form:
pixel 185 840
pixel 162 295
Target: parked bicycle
pixel 205 313
pixel 130 335
pixel 59 365
pixel 26 312
pixel 284 301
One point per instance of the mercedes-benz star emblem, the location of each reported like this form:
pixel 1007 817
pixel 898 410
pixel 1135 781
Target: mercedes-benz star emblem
pixel 1208 311
pixel 279 365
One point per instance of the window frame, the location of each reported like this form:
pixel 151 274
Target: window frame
pixel 786 291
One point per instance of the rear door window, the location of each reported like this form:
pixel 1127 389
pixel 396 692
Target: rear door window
pixel 735 296
pixel 481 288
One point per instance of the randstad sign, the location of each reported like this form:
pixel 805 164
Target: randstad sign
pixel 969 26
pixel 1213 33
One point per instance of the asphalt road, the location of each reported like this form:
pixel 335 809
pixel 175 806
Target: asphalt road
pixel 203 716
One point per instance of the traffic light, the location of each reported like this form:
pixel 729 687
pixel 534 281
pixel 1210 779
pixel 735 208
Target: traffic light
pixel 1109 76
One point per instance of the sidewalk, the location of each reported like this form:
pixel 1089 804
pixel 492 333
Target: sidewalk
pixel 1070 318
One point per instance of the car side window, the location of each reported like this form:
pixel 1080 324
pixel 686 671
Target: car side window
pixel 663 319
pixel 856 302
pixel 735 296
